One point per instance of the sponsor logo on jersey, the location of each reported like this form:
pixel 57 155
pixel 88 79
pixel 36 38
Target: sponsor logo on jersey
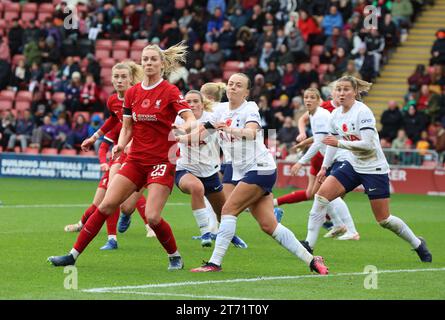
pixel 146 117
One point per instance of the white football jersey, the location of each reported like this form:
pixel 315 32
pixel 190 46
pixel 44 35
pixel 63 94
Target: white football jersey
pixel 320 128
pixel 203 160
pixel 246 155
pixel 349 126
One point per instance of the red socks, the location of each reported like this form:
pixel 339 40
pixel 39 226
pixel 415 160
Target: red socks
pixel 140 206
pixel 165 236
pixel 90 230
pixel 88 213
pixel 296 196
pixel 112 223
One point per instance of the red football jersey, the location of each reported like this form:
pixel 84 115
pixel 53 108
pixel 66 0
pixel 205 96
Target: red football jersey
pixel 328 105
pixel 114 105
pixel 153 110
pixel 113 135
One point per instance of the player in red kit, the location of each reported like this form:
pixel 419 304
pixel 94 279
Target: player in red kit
pixel 150 109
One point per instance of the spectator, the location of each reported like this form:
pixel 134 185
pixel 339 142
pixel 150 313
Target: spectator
pixel 197 75
pixel 89 95
pixel 419 77
pixel 364 62
pixel 258 88
pixel 401 12
pixel 267 55
pixel 172 36
pixel 424 143
pixel 131 20
pixel 244 45
pixel 272 76
pixel 297 46
pixel 149 23
pixel 213 60
pixel 307 76
pixel 340 61
pixel 252 70
pixel 69 68
pixel 226 39
pixel 402 142
pixel 214 25
pixel 290 81
pixel 7 127
pixel 96 123
pixel 43 135
pixel 185 19
pixel 429 102
pixel 78 133
pixel 284 57
pixel 331 20
pixel 20 76
pixel 281 112
pixel 213 5
pixel 375 44
pixel 15 38
pixel 31 33
pixel 194 54
pixel 93 68
pixel 351 70
pixel 257 20
pixel 438 49
pixel 309 28
pixel 265 113
pixel 292 23
pixel 238 19
pixel 62 131
pixel 288 133
pixel 335 41
pixel 23 131
pixel 72 93
pixel 389 31
pixel 32 53
pixel 414 123
pixel 391 120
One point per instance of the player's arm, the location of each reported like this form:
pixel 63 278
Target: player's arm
pixel 125 134
pixel 103 150
pixel 248 132
pixel 314 148
pixel 302 122
pixel 190 122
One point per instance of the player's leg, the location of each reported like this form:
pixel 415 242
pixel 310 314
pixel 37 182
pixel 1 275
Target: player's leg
pixel 262 211
pixel 377 188
pixel 137 202
pixel 111 243
pixel 119 189
pixel 190 184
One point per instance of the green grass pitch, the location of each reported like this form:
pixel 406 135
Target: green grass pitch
pixel 32 229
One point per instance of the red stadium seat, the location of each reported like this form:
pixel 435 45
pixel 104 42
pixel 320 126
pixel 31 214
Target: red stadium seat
pixel 121 44
pixel 68 152
pixel 59 97
pixel 323 68
pixel 46 7
pixel 85 114
pixel 109 90
pixel 107 63
pixel 22 105
pixel 207 46
pixel 29 7
pixel 17 149
pixel 43 16
pixel 28 16
pixel 104 44
pixel 11 15
pixel 105 72
pixel 89 153
pixel 5 104
pixel 139 44
pixel 14 113
pixel 7 95
pixel 32 150
pixel 136 55
pixel 120 54
pixel 227 75
pixel 24 95
pixel 317 50
pixel 315 61
pixel 180 4
pixel 102 54
pixel 276 103
pixel 50 151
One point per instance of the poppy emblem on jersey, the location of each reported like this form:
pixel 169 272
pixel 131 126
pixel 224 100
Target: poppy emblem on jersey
pixel 228 122
pixel 344 127
pixel 146 103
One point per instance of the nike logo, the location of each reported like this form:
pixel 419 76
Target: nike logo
pixel 371 190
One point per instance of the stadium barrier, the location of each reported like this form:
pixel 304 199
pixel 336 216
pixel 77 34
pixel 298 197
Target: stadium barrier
pixel 406 175
pixel 49 166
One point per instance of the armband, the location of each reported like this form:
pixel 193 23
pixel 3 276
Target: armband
pixel 208 125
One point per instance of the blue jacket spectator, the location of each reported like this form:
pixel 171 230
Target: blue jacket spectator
pixel 213 4
pixel 333 19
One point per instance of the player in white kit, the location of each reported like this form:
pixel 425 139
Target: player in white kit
pixel 197 171
pixel 255 170
pixel 352 127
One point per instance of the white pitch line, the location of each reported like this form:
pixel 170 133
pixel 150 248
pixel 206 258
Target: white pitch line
pixel 179 295
pixel 194 283
pixel 24 206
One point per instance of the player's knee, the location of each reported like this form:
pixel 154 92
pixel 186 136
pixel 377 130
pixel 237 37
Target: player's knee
pixel 197 189
pixel 229 208
pixel 153 221
pixel 268 228
pixel 107 208
pixel 127 209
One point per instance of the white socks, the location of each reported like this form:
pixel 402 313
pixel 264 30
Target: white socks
pixel 337 222
pixel 226 232
pixel 287 239
pixel 401 229
pixel 316 219
pixel 112 236
pixel 202 219
pixel 174 254
pixel 213 220
pixel 341 210
pixel 275 202
pixel 75 253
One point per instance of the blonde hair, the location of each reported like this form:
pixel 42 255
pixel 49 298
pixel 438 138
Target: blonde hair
pixel 357 84
pixel 171 57
pixel 206 103
pixel 135 70
pixel 214 90
pixel 314 91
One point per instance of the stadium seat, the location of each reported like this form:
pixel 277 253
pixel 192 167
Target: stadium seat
pixel 89 153
pixel 68 152
pixel 107 63
pixel 12 11
pixel 109 90
pixel 21 106
pixel 5 104
pixel 323 68
pixel 50 151
pixel 136 55
pixel 85 114
pixel 315 61
pixel 3 24
pixel 233 66
pixel 105 72
pixel 32 150
pixel 180 4
pixel 59 97
pixel 17 149
pixel 29 7
pixel 317 50
pixel 139 44
pixel 46 7
pixel 104 44
pixel 28 16
pixel 227 75
pixel 24 95
pixel 120 54
pixel 102 54
pixel 121 44
pixel 276 103
pixel 7 95
pixel 1 149
pixel 207 46
pixel 14 113
pixel 43 16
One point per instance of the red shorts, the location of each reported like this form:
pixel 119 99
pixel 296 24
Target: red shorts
pixel 316 163
pixel 103 183
pixel 143 175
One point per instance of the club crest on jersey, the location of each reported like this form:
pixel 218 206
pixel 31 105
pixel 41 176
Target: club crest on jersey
pixel 145 103
pixel 158 104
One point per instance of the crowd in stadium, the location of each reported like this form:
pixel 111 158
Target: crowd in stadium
pixel 66 72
